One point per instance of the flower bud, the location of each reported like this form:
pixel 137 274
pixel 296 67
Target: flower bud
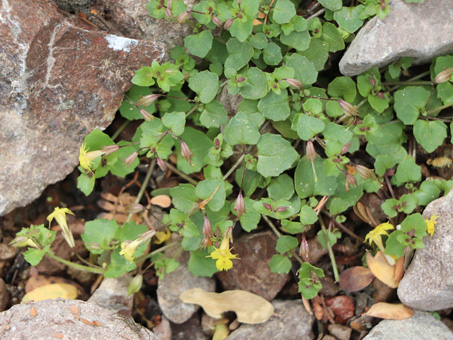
pixel 347 108
pixel 162 164
pixel 131 158
pixel 134 208
pixel 240 79
pixel 146 115
pixel 181 19
pixel 350 181
pixel 345 148
pixel 186 153
pixel 93 247
pixel 228 23
pixel 372 80
pixel 304 250
pixel 207 229
pixel 22 241
pixel 109 149
pixel 135 285
pixel 281 209
pixel 365 173
pixel 380 95
pixel 267 206
pixel 444 76
pixel 295 83
pixel 310 152
pixel 240 205
pixel 169 14
pixel 148 99
pixel 217 21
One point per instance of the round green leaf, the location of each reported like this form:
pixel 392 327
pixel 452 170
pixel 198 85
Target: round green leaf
pixel 283 12
pixel 275 155
pixel 343 87
pixel 205 84
pixel 199 44
pixel 275 106
pixel 241 130
pixel 431 134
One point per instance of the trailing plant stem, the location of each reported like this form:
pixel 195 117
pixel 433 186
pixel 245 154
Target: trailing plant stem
pixel 76 265
pixel 331 254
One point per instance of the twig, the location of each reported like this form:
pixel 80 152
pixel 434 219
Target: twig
pixel 329 248
pixel 181 174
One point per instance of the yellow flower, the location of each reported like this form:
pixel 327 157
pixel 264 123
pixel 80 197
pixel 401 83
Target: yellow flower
pixel 60 216
pixel 223 255
pixel 431 225
pixel 86 158
pixel 23 241
pixel 128 249
pixel 162 236
pixel 375 236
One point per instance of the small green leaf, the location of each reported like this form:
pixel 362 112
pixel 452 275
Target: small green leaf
pixel 343 87
pixel 307 127
pixel 199 44
pixel 239 54
pixel 34 256
pixel 407 171
pixel 128 110
pixel 281 187
pixel 199 144
pixel 317 53
pixel 200 264
pixel 275 106
pixel 349 18
pixel 414 222
pixel 272 54
pixel 175 121
pixel 297 40
pixel 255 86
pixel 213 115
pixel 331 35
pixel 98 235
pixel 286 244
pixel 305 183
pixel 284 11
pixel 333 5
pixel 184 197
pixel 206 188
pixel 206 85
pixel 275 155
pixel 393 246
pixel 409 102
pixel 427 193
pixel 85 182
pixel 431 134
pixel 304 70
pixel 280 264
pixel 241 130
pixel 308 215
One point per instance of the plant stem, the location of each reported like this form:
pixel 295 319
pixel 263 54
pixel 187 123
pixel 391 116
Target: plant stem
pixel 157 251
pixel 181 174
pixel 329 247
pixel 409 83
pixel 235 165
pixel 76 265
pixel 144 185
pixel 440 108
pixel 418 76
pixel 120 129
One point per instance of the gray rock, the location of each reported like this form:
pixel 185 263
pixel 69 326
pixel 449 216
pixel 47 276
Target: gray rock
pixel 58 82
pixel 172 285
pixel 428 282
pixel 252 272
pixel 4 295
pixel 420 31
pixel 112 294
pixel 290 322
pixel 68 319
pixel 421 326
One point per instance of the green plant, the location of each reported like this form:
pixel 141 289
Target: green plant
pixel 293 154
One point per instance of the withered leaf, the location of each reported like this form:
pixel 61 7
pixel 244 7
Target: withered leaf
pixel 355 278
pixel 382 269
pixel 390 311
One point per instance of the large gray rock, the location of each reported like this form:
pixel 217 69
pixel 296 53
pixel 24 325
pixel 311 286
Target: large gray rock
pixel 252 272
pixel 172 285
pixel 420 31
pixel 68 319
pixel 421 326
pixel 58 82
pixel 290 321
pixel 428 282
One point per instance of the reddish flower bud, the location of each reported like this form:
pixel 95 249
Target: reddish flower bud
pixel 207 229
pixel 131 158
pixel 365 173
pixel 228 23
pixel 217 21
pixel 240 79
pixel 148 99
pixel 444 76
pixel 310 152
pixel 372 80
pixel 134 208
pixel 109 149
pixel 146 115
pixel 161 164
pixel 381 95
pixel 182 17
pixel 281 209
pixel 169 14
pixel 347 108
pixel 240 205
pixel 350 181
pixel 304 250
pixel 295 83
pixel 186 153
pixel 267 206
pixel 345 148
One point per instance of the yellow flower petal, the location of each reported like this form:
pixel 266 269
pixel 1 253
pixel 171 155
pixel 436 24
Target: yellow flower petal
pixel 431 225
pixel 376 233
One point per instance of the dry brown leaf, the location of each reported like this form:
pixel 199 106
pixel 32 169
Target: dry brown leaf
pixel 390 311
pixel 163 201
pixel 381 269
pixel 399 269
pixel 249 308
pixel 115 207
pixel 355 278
pixel 52 291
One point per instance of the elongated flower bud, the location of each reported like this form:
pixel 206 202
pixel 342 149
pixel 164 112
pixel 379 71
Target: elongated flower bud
pixel 161 164
pixel 304 250
pixel 240 205
pixel 348 109
pixel 444 76
pixel 217 21
pixel 186 153
pixel 228 23
pixel 365 173
pixel 131 158
pixel 295 83
pixel 109 149
pixel 135 285
pixel 148 99
pixel 134 208
pixel 311 153
pixel 145 114
pixel 182 17
pixel 169 14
